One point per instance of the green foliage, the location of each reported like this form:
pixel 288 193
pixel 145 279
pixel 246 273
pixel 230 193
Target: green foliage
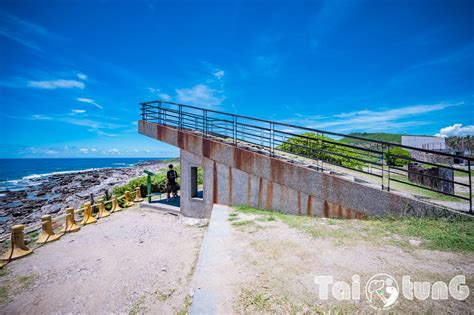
pixel 158 183
pixel 321 144
pixel 396 161
pixel 379 136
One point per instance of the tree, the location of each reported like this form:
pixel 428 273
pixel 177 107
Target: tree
pixel 393 160
pixel 322 148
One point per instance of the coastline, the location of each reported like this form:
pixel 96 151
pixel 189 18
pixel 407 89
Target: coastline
pixel 24 201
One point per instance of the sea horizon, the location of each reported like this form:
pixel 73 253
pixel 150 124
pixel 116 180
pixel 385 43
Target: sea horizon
pixel 14 169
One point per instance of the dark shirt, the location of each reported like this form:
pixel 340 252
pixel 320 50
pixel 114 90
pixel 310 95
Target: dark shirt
pixel 171 176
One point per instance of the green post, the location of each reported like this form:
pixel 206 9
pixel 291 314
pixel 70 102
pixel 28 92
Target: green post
pixel 148 184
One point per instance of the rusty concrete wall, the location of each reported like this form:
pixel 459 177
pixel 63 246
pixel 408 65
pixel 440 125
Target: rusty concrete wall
pixel 234 176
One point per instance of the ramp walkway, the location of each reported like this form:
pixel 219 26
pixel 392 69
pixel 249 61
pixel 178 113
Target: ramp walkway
pixel 426 176
pixel 210 287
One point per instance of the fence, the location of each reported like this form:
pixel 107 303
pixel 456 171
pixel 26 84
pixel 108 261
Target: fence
pixel 385 162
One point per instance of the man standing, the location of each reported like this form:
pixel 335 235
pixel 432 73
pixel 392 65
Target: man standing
pixel 171 185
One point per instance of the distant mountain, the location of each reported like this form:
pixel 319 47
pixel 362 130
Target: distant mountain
pixel 380 136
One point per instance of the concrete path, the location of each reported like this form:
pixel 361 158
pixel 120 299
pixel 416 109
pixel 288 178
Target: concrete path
pixel 211 285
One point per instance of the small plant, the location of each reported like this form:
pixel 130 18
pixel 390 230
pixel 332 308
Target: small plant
pixel 396 157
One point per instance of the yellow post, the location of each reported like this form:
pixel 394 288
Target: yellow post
pixel 47 234
pixel 102 212
pixel 138 195
pixel 17 248
pixel 128 202
pixel 88 218
pixel 70 225
pixel 115 205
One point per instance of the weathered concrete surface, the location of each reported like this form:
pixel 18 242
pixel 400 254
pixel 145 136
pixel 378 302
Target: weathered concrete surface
pixel 214 260
pixel 234 175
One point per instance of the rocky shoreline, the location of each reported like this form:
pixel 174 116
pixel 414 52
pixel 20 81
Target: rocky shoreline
pixel 35 196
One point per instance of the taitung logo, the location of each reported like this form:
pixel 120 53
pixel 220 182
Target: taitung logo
pixel 382 291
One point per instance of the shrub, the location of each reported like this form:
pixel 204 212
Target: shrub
pixel 393 160
pixel 322 144
pixel 158 183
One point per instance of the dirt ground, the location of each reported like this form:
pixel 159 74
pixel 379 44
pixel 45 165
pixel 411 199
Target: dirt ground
pixel 138 261
pixel 276 262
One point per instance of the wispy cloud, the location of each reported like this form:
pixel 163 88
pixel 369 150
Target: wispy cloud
pixel 78 111
pixel 41 117
pixel 56 84
pixel 394 119
pixel 456 130
pixel 82 76
pixel 162 96
pixel 218 73
pixel 89 101
pixel 201 95
pixel 22 31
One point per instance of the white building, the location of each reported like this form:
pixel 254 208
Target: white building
pixel 425 142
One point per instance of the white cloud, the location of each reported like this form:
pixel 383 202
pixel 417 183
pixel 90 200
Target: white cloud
pixel 201 95
pixel 78 111
pixel 456 130
pixel 163 96
pixel 40 117
pixel 93 150
pixel 84 150
pixel 394 119
pixel 114 151
pixel 154 90
pixel 89 101
pixel 56 84
pixel 22 31
pixel 82 76
pixel 51 152
pixel 218 73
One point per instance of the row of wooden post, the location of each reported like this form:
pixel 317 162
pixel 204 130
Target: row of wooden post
pixel 18 247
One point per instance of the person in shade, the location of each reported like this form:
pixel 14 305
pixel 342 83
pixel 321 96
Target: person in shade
pixel 171 184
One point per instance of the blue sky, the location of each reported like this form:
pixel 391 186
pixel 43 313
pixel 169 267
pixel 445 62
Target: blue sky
pixel 73 72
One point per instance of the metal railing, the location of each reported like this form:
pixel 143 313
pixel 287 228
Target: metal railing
pixel 384 161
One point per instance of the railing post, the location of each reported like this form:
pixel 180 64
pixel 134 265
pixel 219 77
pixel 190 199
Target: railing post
pixel 143 111
pixel 160 113
pixel 234 122
pixel 204 114
pixel 180 119
pixel 470 185
pixel 383 161
pixel 272 139
pixel 388 165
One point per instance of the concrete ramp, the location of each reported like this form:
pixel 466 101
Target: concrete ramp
pixel 215 259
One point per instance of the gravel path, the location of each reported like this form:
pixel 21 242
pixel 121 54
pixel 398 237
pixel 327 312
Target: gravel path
pixel 135 261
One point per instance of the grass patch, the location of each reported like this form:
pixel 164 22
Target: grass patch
pixel 255 301
pixel 439 234
pixel 435 233
pixel 232 219
pixel 163 296
pixel 3 294
pixel 3 272
pixel 137 306
pixel 188 301
pixel 267 218
pixel 244 223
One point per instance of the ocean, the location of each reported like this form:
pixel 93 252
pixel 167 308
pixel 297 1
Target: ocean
pixel 16 169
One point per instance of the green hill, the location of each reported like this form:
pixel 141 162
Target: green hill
pixel 380 136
